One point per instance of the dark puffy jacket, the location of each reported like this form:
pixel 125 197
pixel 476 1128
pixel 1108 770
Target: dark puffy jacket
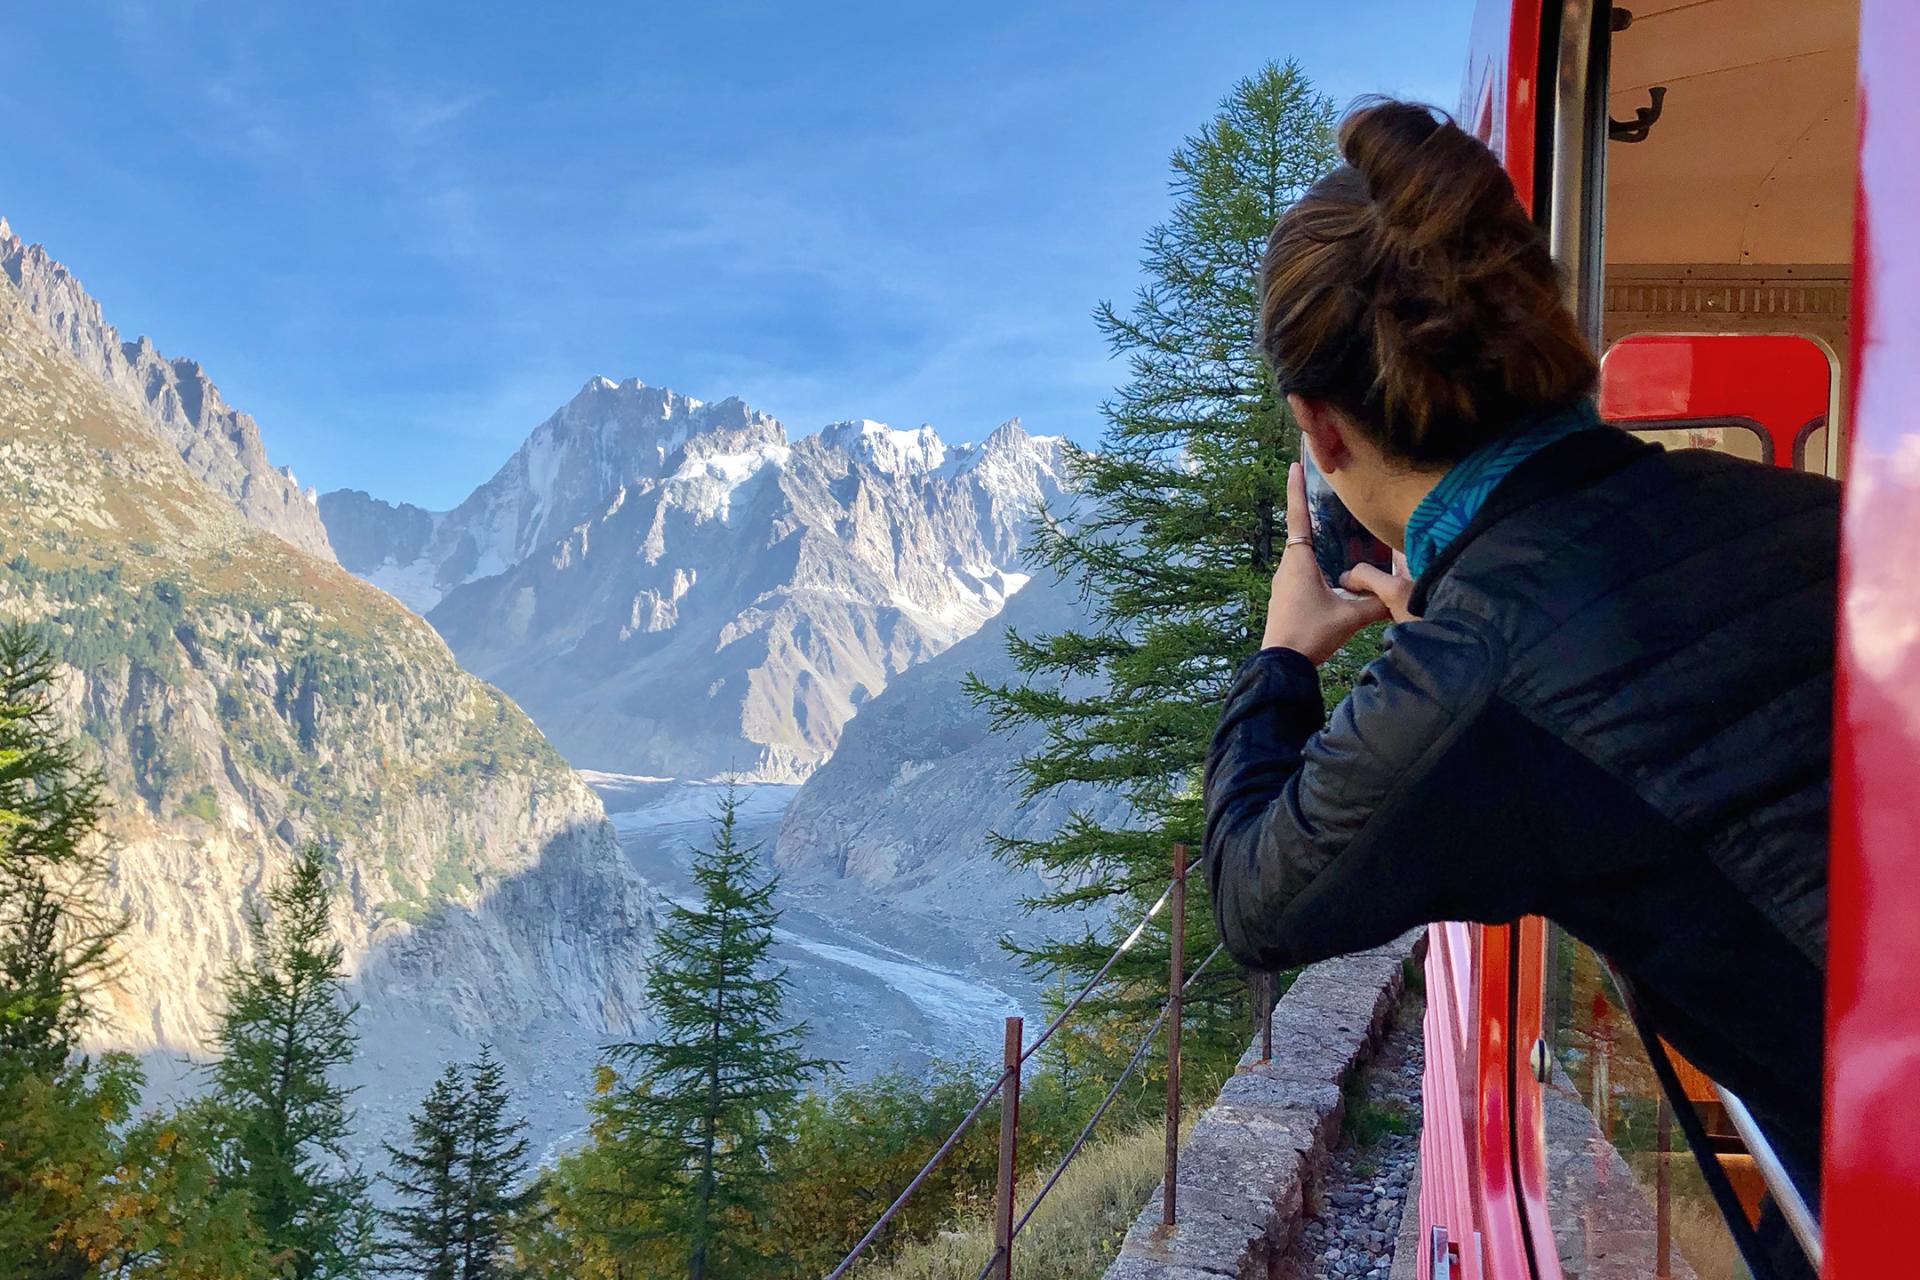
pixel 1613 711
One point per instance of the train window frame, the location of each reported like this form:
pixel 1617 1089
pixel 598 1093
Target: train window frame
pixel 1835 415
pixel 1805 434
pixel 1718 422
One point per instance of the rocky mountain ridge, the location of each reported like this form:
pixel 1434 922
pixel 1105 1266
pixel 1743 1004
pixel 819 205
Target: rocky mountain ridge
pixel 244 695
pixel 679 588
pixel 220 445
pixel 922 781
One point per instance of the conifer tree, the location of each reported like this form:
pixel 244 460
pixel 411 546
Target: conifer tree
pixel 1172 539
pixel 495 1160
pixel 462 1180
pixel 287 1030
pixel 55 940
pixel 694 1123
pixel 56 1114
pixel 86 1189
pixel 425 1176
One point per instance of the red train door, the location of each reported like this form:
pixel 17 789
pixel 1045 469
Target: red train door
pixel 1712 258
pixel 1871 1187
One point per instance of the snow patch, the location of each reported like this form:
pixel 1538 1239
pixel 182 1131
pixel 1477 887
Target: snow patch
pixel 413 585
pixel 887 448
pixel 981 591
pixel 705 485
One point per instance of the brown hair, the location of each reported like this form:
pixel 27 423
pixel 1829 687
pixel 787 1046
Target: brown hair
pixel 1410 289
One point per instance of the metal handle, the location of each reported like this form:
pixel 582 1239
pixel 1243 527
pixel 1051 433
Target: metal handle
pixel 1793 1206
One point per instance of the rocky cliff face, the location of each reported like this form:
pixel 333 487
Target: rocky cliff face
pixel 676 588
pixel 563 476
pixel 921 781
pixel 243 696
pixel 220 445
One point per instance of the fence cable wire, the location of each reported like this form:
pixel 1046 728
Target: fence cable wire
pixel 1139 1054
pixel 874 1231
pixel 966 1123
pixel 1125 946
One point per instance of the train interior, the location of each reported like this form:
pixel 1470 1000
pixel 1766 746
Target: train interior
pixel 1726 245
pixel 1728 221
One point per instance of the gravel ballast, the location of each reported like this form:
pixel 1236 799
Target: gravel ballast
pixel 1354 1214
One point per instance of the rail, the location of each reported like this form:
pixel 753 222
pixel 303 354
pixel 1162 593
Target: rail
pixel 1793 1206
pixel 1016 1052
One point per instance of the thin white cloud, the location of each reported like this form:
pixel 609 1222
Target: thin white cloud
pixel 412 116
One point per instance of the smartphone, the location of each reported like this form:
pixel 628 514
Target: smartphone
pixel 1340 541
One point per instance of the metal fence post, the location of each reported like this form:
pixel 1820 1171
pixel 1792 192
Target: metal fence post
pixel 1267 1001
pixel 1663 1202
pixel 1176 978
pixel 1009 1131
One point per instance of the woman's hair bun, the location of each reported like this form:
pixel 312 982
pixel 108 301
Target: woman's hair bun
pixel 1410 288
pixel 1416 163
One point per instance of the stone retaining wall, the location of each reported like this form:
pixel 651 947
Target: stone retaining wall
pixel 1247 1163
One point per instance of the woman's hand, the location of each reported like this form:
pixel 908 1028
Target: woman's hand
pixel 1303 613
pixel 1394 590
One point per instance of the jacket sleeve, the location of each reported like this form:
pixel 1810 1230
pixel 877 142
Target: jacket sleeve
pixel 1321 841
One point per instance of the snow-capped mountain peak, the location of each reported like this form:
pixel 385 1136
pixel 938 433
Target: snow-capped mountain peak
pixel 673 587
pixel 887 448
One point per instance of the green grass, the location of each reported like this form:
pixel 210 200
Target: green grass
pixel 1076 1232
pixel 202 804
pixel 1369 1121
pixel 450 880
pixel 411 910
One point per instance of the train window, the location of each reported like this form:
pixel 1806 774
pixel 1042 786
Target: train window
pixel 1810 448
pixel 1623 1182
pixel 1723 277
pixel 1752 395
pixel 1728 221
pixel 1741 437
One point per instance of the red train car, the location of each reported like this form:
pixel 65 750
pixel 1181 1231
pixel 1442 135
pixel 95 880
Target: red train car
pixel 1734 188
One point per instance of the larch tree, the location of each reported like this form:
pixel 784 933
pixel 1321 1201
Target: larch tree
pixel 1172 538
pixel 286 1033
pixel 87 1188
pixel 696 1114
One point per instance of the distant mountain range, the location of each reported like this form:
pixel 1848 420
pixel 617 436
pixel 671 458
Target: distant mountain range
pixel 677 588
pixel 668 587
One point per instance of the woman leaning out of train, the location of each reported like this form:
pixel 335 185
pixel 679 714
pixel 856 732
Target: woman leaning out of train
pixel 1607 696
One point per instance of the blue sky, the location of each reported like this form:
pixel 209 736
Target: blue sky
pixel 401 234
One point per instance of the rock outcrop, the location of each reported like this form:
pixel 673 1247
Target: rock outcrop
pixel 922 780
pixel 220 445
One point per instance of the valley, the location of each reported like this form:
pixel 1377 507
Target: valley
pixel 880 987
pixel 503 721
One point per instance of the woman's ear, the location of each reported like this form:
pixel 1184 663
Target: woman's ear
pixel 1322 431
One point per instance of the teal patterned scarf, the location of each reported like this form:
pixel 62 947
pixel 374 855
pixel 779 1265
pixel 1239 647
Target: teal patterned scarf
pixel 1452 504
